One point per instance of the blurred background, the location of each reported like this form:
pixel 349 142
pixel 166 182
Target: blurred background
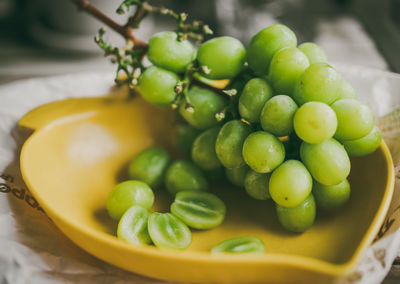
pixel 48 37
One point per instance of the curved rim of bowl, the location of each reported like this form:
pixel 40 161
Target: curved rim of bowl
pixel 303 262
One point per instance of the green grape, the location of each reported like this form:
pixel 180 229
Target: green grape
pixel 133 225
pixel 223 56
pixel 265 44
pixel 290 184
pixel 277 115
pixel 346 91
pixel 127 194
pixel 285 69
pixel 206 104
pixel 184 176
pixel 257 185
pixel 263 152
pixel 313 52
pixel 203 150
pixel 297 219
pixel 198 210
pixel 166 51
pixel 355 119
pixel 327 162
pixel 185 135
pixel 230 141
pixel 236 176
pixel 150 166
pixel 331 196
pixel 254 95
pixel 240 245
pixel 157 85
pixel 320 82
pixel 167 231
pixel 315 122
pixel 365 145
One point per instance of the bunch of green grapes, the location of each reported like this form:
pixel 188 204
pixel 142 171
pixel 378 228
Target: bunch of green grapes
pixel 283 128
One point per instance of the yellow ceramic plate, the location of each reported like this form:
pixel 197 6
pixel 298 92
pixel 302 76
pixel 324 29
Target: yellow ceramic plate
pixel 79 150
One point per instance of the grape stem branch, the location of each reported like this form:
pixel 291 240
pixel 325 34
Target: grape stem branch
pixel 126 31
pixel 196 30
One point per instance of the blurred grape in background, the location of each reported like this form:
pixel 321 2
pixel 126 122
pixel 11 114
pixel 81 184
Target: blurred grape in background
pixel 46 37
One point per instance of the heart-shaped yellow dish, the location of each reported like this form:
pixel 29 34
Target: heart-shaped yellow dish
pixel 79 150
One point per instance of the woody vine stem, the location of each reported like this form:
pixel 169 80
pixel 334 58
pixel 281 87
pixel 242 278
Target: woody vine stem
pixel 129 58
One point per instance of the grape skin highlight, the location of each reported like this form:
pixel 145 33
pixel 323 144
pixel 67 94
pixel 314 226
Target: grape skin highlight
pixel 224 57
pixel 286 67
pixel 290 184
pixel 315 122
pixel 355 119
pixel 263 152
pixel 313 52
pixel 157 86
pixel 166 51
pixel 265 44
pixel 277 115
pixel 327 162
pixel 254 95
pixel 319 82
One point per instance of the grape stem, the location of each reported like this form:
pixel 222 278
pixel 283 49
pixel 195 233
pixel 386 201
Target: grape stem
pixel 126 31
pixel 129 59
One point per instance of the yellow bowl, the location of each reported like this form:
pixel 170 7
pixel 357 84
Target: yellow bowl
pixel 79 150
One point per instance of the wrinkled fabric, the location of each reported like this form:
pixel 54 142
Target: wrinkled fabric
pixel 33 250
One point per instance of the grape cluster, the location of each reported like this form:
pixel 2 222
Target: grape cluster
pixel 282 128
pixel 285 131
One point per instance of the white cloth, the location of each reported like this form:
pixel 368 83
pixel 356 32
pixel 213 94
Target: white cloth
pixel 33 250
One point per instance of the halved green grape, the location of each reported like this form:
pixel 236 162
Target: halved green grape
pixel 290 184
pixel 230 141
pixel 320 82
pixel 206 104
pixel 313 52
pixel 331 196
pixel 297 219
pixel 167 231
pixel 157 85
pixel 236 176
pixel 240 245
pixel 346 91
pixel 365 145
pixel 265 44
pixel 186 134
pixel 150 166
pixel 133 225
pixel 285 69
pixel 127 194
pixel 183 176
pixel 327 162
pixel 277 115
pixel 263 152
pixel 166 51
pixel 254 95
pixel 199 210
pixel 223 56
pixel 355 119
pixel 257 185
pixel 315 122
pixel 203 150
